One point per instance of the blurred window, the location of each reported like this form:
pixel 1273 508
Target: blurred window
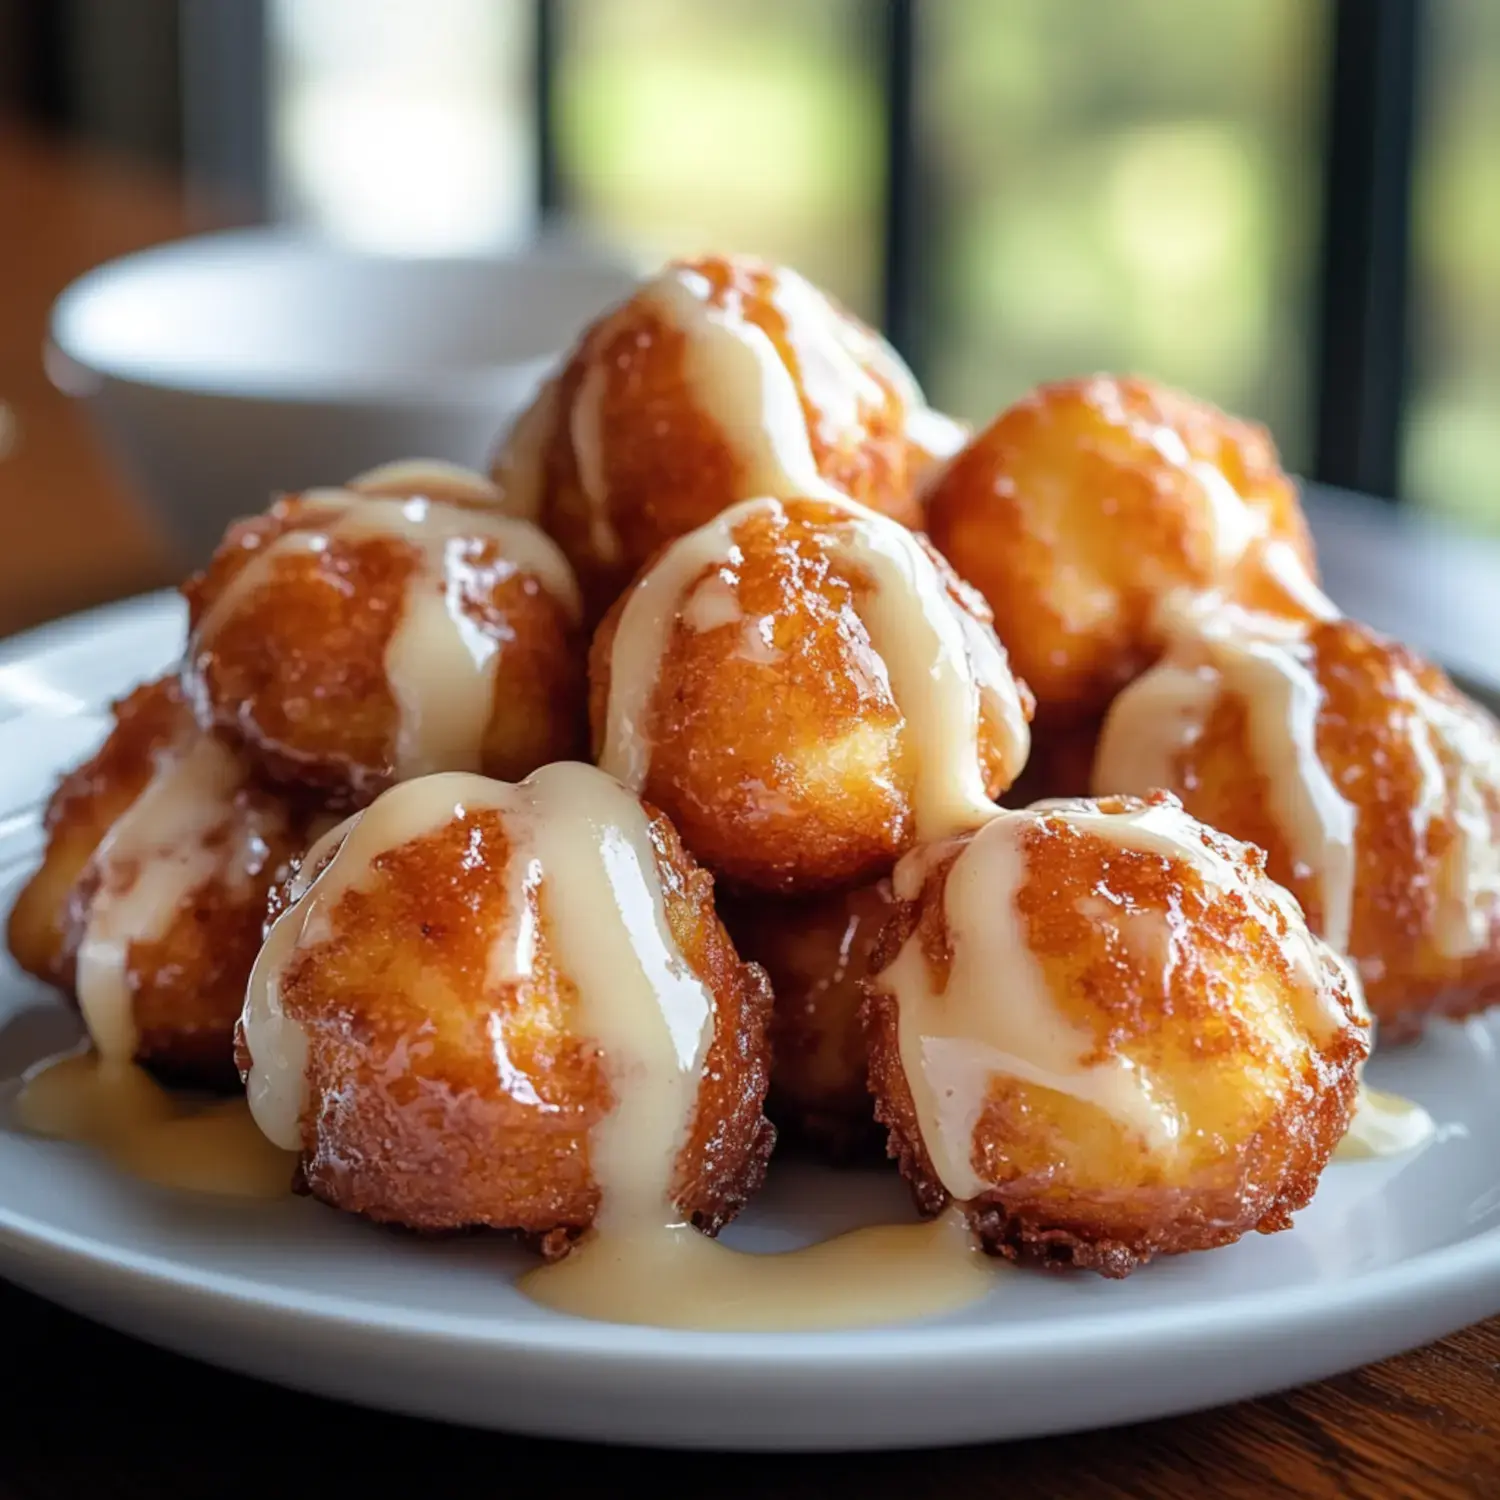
pixel 1130 186
pixel 754 125
pixel 404 125
pixel 1452 450
pixel 1133 185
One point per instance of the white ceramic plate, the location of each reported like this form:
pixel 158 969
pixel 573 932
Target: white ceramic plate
pixel 1391 1254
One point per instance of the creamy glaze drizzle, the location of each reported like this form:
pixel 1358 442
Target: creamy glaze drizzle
pixel 439 662
pixel 181 832
pixel 940 662
pixel 577 835
pixel 740 382
pixel 520 468
pixel 1263 663
pixel 120 1111
pixel 1384 1125
pixel 1458 763
pixel 427 478
pixel 996 1017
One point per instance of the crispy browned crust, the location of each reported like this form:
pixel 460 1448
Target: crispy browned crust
pixel 188 986
pixel 1073 525
pixel 296 674
pixel 411 1120
pixel 1047 1217
pixel 789 775
pixel 668 466
pixel 1365 741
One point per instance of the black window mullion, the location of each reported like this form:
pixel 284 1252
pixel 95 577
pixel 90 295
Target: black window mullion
pixel 899 239
pixel 547 40
pixel 225 83
pixel 1361 356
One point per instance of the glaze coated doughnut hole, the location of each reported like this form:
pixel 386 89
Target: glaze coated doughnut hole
pixel 148 905
pixel 1370 780
pixel 805 688
pixel 396 627
pixel 817 952
pixel 1108 1035
pixel 721 379
pixel 483 1003
pixel 1085 505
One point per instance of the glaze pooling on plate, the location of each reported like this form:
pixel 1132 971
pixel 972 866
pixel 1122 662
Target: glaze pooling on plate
pixel 120 1111
pixel 580 846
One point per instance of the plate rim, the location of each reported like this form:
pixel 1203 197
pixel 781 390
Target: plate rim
pixel 1469 1265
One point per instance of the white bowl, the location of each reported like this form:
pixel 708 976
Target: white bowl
pixel 224 368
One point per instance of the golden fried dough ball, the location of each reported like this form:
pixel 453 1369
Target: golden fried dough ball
pixel 510 1005
pixel 354 637
pixel 805 688
pixel 720 379
pixel 149 902
pixel 817 953
pixel 1108 1035
pixel 1370 780
pixel 1081 507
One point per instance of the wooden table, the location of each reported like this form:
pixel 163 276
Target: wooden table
pixel 72 533
pixel 88 1413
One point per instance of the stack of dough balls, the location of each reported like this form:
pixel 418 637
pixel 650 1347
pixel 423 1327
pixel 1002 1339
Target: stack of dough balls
pixel 344 640
pixel 1017 799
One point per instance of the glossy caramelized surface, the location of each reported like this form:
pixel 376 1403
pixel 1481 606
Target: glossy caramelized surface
pixel 1115 1041
pixel 1410 765
pixel 721 379
pixel 298 662
pixel 188 922
pixel 1080 507
pixel 442 1092
pixel 776 741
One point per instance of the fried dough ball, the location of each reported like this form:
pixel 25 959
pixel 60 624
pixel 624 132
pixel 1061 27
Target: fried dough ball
pixel 1370 780
pixel 1107 1034
pixel 148 904
pixel 720 379
pixel 1081 507
pixel 400 626
pixel 805 688
pixel 472 1006
pixel 817 954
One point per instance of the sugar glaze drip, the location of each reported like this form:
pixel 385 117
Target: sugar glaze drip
pixel 1264 664
pixel 439 662
pixel 184 830
pixel 579 834
pixel 942 664
pixel 740 381
pixel 956 1041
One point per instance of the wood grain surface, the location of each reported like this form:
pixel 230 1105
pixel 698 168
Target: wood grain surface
pixel 72 531
pixel 85 1412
